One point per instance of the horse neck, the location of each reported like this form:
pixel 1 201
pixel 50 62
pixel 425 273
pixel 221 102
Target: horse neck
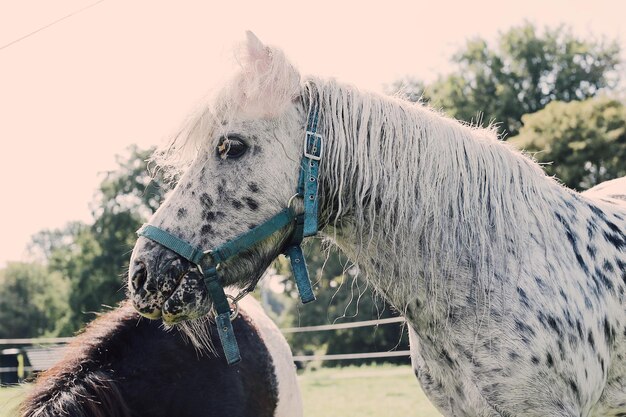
pixel 420 201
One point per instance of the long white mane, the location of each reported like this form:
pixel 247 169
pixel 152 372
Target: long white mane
pixel 406 177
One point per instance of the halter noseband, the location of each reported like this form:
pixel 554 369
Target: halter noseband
pixel 305 224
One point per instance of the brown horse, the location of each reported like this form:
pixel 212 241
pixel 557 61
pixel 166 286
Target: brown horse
pixel 125 366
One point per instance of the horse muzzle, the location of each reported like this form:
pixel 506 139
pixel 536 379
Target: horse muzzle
pixel 164 285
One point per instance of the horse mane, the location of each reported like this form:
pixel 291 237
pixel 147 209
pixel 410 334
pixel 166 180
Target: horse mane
pixel 77 386
pixel 411 180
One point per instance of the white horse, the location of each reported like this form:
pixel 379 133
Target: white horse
pixel 512 285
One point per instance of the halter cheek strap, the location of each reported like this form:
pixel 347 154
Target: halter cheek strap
pixel 305 224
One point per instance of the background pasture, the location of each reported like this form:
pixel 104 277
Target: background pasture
pixel 366 391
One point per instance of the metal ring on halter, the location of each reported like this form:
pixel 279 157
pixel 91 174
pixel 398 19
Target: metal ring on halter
pixel 235 312
pixel 291 199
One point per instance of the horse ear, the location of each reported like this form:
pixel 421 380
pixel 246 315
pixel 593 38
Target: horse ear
pixel 255 48
pixel 269 81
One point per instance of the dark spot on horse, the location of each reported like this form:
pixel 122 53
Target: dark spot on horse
pixel 607 266
pixel 591 250
pixel 570 206
pixel 181 213
pixel 252 203
pixel 554 325
pixel 574 388
pixel 609 331
pixel 206 229
pixel 253 187
pixel 596 211
pixel 251 226
pixel 549 360
pixel 591 340
pixel 524 328
pixel 534 360
pixel 212 215
pixel 523 297
pixel 579 327
pixel 206 201
pixel 591 228
pixel 621 265
pixel 447 357
pixel 540 283
pixel 581 262
pixel 601 276
pixel 237 204
pixel 612 226
pixel 221 192
pixel 601 360
pixel 561 349
pixel 616 239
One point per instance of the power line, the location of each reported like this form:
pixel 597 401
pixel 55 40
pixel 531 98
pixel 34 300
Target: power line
pixel 50 24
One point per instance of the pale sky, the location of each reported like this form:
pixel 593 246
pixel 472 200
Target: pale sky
pixel 123 72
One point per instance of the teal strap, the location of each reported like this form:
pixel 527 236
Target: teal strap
pixel 252 237
pixel 227 338
pixel 184 249
pixel 300 273
pixel 216 291
pixel 309 172
pixel 222 320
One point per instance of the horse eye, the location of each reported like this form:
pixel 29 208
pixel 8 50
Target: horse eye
pixel 231 147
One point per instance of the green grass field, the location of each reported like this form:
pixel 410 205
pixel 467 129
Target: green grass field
pixel 368 391
pixel 381 391
pixel 9 399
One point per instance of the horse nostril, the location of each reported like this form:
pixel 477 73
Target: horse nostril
pixel 139 276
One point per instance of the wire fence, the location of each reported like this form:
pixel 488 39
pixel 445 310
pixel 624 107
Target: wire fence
pixel 55 345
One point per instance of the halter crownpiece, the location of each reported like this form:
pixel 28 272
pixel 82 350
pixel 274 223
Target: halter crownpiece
pixel 305 224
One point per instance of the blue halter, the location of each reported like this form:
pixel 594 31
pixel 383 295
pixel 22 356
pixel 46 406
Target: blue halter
pixel 305 225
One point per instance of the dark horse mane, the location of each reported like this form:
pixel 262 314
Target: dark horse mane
pixel 126 366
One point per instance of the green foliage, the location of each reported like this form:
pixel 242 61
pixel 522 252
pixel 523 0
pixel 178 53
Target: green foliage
pixel 521 74
pixel 583 142
pixel 95 257
pixel 342 296
pixel 33 302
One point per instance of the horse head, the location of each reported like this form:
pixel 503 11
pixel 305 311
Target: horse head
pixel 241 161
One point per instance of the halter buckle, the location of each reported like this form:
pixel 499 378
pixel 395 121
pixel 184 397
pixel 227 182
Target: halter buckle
pixel 316 156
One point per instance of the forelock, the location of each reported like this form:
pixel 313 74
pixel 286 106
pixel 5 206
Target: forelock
pixel 265 84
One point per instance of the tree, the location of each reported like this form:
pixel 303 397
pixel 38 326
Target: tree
pixel 33 301
pixel 581 143
pixel 95 257
pixel 524 72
